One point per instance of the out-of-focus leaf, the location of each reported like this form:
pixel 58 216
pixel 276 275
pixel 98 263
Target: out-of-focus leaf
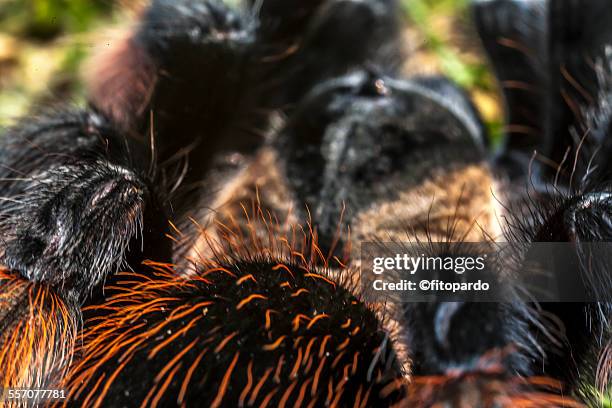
pixel 47 19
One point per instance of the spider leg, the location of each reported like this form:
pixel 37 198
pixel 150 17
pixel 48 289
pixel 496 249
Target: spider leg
pixel 73 200
pixel 514 35
pixel 544 54
pixel 252 332
pixel 580 355
pixel 37 333
pixel 71 204
pixel 327 39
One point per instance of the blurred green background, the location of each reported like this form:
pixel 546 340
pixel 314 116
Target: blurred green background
pixel 44 43
pixel 42 46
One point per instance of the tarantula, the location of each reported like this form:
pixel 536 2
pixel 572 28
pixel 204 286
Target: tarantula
pixel 192 237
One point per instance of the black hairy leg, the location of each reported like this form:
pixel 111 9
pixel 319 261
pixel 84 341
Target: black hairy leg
pixel 258 326
pixel 319 40
pixel 545 55
pixel 517 31
pixel 72 202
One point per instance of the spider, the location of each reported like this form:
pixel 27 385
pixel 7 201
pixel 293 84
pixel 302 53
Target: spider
pixel 192 236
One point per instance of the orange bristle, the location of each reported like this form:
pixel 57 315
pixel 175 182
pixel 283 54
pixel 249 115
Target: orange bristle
pixel 37 336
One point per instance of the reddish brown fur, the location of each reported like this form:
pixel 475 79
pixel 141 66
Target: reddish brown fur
pixel 604 368
pixel 121 81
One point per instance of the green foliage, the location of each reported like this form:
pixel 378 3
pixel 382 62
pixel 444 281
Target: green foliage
pixel 603 400
pixel 46 19
pixel 42 46
pixel 474 76
pixel 421 13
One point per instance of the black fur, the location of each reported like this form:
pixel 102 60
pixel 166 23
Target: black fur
pixel 73 201
pixel 362 138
